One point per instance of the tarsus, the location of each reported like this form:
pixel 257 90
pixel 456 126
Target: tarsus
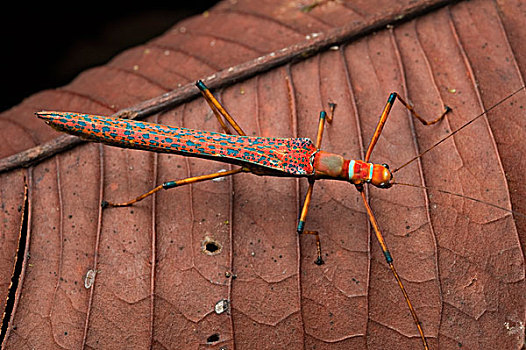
pixel 462 127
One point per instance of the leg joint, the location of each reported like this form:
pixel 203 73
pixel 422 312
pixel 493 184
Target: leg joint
pixel 201 86
pixel 392 97
pixel 169 184
pixel 301 227
pixel 388 257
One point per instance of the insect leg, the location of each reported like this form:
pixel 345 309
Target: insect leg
pixel 219 111
pixel 385 114
pixel 301 224
pixel 171 184
pixel 324 117
pixel 389 260
pixel 417 116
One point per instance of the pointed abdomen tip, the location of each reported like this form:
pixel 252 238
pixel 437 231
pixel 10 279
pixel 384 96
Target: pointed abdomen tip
pixel 46 115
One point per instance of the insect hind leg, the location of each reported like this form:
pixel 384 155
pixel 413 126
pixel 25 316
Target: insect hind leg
pixel 176 183
pixel 219 111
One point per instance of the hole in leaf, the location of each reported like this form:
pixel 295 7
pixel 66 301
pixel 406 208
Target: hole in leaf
pixel 213 338
pixel 211 246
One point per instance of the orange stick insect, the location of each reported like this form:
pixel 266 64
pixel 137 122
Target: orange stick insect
pixel 285 157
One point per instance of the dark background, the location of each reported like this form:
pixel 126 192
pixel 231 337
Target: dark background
pixel 46 46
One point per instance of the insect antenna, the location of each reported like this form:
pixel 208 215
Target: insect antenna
pixel 457 130
pixel 462 196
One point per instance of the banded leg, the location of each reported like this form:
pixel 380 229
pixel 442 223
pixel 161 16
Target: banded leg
pixel 301 224
pixel 385 114
pixel 372 219
pixel 171 184
pixel 389 260
pixel 219 111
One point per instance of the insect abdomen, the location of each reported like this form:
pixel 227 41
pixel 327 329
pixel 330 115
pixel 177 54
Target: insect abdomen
pixel 288 155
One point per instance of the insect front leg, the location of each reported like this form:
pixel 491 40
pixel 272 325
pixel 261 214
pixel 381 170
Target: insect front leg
pixel 383 245
pixel 385 113
pixel 389 260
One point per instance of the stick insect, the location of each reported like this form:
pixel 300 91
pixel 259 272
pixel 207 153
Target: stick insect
pixel 285 157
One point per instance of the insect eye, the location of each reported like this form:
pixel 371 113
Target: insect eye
pixel 385 165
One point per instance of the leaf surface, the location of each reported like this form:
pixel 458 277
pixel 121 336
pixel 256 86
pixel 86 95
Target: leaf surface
pixel 156 285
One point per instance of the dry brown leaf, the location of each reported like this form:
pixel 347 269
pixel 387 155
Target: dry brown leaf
pixel 151 285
